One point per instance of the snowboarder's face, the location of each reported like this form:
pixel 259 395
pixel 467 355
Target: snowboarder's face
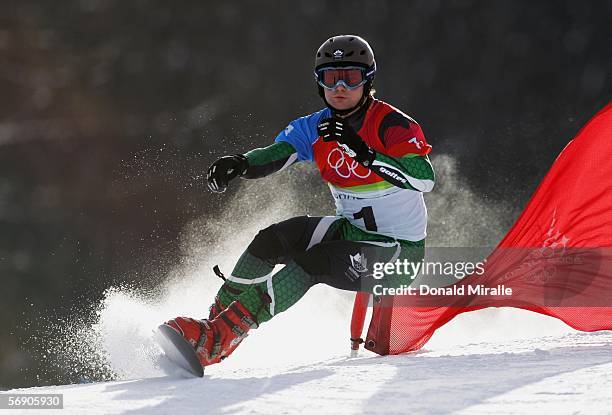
pixel 342 98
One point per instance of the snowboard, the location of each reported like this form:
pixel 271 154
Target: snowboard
pixel 178 350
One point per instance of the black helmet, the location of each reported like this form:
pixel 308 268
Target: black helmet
pixel 347 50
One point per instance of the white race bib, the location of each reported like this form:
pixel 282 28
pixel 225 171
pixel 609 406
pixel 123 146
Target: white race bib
pixel 397 213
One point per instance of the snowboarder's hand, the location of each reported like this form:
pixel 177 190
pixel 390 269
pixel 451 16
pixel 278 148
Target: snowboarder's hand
pixel 336 129
pixel 224 170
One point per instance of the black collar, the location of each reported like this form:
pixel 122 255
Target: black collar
pixel 356 119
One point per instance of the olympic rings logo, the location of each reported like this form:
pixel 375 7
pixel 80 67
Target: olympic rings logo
pixel 342 166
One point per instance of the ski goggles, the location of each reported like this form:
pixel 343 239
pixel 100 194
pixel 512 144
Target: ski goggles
pixel 351 77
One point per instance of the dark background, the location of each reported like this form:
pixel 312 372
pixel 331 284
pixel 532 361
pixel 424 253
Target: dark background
pixel 111 111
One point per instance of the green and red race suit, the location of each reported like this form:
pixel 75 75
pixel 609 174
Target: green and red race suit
pixel 380 211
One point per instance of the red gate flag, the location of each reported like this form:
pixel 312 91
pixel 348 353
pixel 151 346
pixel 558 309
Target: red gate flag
pixel 556 259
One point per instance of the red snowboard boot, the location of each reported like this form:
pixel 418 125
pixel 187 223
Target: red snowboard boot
pixel 215 308
pixel 214 340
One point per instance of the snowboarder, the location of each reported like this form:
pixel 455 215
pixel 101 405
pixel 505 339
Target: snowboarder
pixel 374 159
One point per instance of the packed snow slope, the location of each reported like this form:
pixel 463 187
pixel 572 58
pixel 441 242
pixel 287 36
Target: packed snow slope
pixel 492 361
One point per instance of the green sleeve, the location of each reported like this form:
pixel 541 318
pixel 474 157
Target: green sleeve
pixel 412 171
pixel 268 160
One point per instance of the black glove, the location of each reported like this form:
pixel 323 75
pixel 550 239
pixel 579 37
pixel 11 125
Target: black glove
pixel 336 129
pixel 224 170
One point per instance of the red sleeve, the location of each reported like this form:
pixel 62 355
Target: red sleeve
pixel 402 135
